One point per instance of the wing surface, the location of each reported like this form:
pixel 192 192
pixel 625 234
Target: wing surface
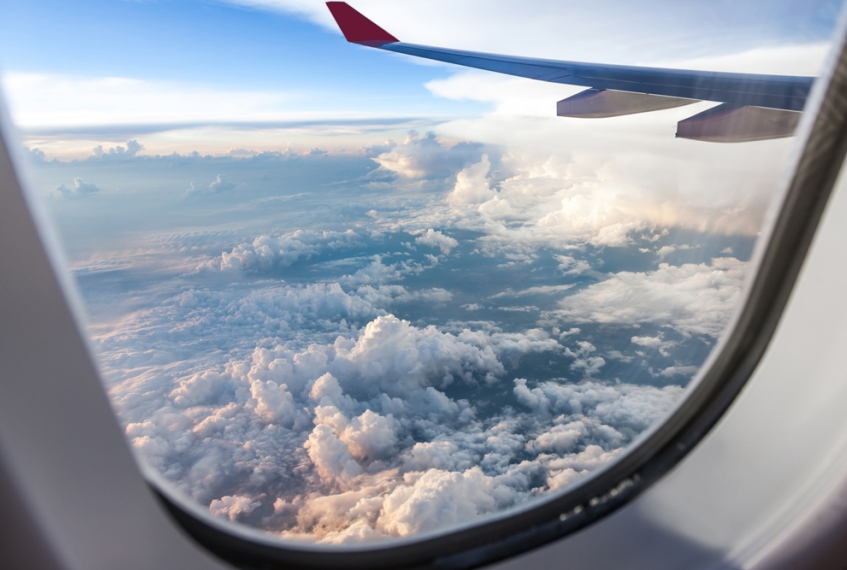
pixel 668 87
pixel 773 91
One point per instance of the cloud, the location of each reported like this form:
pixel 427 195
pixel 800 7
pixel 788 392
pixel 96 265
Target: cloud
pixel 361 475
pixel 660 344
pixel 126 100
pixel 434 238
pixel 393 357
pixel 425 156
pixel 438 499
pixel 378 273
pixel 571 181
pixel 540 290
pixel 316 383
pixel 331 457
pixel 583 360
pixel 626 408
pixel 472 186
pixel 672 371
pixel 220 184
pixel 570 266
pixel 563 198
pixel 80 189
pixel 357 438
pixel 265 252
pixel 665 250
pixel 496 207
pixel 132 148
pixel 386 295
pixel 371 436
pixel 691 298
pixel 233 507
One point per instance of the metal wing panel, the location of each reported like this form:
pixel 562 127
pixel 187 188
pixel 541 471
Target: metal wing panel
pixel 772 91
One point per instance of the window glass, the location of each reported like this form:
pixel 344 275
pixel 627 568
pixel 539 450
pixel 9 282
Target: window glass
pixel 343 295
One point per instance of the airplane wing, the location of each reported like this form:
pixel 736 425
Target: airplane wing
pixel 752 106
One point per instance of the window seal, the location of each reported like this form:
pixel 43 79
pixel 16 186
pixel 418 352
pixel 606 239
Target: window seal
pixel 777 261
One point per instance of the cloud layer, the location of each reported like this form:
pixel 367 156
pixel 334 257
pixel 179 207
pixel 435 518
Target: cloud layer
pixel 358 440
pixel 398 340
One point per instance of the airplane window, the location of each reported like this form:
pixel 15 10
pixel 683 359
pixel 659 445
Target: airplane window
pixel 350 292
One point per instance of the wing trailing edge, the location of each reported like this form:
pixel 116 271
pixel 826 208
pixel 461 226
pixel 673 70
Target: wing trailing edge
pixel 729 123
pixel 753 106
pixel 603 103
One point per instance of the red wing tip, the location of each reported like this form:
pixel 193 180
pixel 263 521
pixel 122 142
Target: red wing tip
pixel 357 28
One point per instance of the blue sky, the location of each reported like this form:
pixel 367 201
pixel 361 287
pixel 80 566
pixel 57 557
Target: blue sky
pixel 217 45
pixel 188 41
pixel 290 56
pixel 229 44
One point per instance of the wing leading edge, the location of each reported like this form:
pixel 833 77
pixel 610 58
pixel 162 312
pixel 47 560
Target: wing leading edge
pixel 753 107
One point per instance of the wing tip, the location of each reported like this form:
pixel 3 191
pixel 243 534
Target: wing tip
pixel 357 28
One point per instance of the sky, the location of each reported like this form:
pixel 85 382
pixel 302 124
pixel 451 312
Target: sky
pixel 340 295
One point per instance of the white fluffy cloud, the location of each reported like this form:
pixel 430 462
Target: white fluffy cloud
pixel 232 507
pixel 264 252
pixel 599 197
pixel 434 238
pixel 357 438
pixel 312 411
pixel 691 298
pixel 426 156
pixel 363 473
pixel 472 186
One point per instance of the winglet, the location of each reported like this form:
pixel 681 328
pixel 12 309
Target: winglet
pixel 358 29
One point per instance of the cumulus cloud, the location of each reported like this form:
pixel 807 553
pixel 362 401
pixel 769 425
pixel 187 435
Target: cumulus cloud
pixel 357 438
pixel 658 343
pixel 425 156
pixel 625 408
pixel 132 148
pixel 691 298
pixel 472 187
pixel 385 295
pixel 385 463
pixel 540 290
pixel 437 499
pixel 434 238
pixel 80 189
pixel 233 507
pixel 310 409
pixel 537 199
pixel 583 359
pixel 672 371
pixel 570 266
pixel 220 184
pixel 266 252
pixel 331 457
